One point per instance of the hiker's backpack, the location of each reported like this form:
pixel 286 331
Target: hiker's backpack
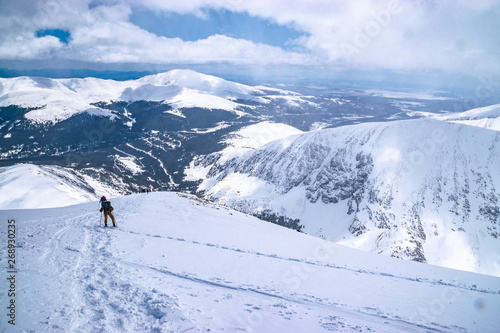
pixel 107 207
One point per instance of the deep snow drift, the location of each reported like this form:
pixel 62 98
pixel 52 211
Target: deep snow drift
pixel 177 263
pixel 425 190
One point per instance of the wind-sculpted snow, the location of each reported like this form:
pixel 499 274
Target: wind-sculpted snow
pixel 178 263
pixel 423 190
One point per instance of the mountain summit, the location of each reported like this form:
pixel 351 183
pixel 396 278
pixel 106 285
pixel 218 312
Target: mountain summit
pixel 58 99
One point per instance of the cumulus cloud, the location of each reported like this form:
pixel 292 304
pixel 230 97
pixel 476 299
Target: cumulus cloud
pixel 103 33
pixel 449 35
pixel 419 35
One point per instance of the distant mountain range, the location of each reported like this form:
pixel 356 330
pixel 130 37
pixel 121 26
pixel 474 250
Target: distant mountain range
pixel 55 100
pixel 157 124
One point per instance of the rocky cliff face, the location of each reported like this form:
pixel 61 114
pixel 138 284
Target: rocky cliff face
pixel 424 190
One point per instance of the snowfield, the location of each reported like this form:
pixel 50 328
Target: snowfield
pixel 246 139
pixel 177 263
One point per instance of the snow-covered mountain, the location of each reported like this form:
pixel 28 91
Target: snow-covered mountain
pixel 246 139
pixel 54 100
pixel 137 133
pixel 486 117
pixel 425 190
pixel 205 83
pixel 28 186
pixel 177 263
pixel 144 133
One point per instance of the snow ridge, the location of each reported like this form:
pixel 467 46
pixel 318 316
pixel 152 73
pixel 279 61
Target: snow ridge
pixel 486 117
pixel 30 186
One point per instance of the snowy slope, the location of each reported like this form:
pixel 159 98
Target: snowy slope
pixel 486 117
pixel 246 139
pixel 257 135
pixel 424 190
pixel 180 264
pixel 204 84
pixel 59 99
pixel 27 186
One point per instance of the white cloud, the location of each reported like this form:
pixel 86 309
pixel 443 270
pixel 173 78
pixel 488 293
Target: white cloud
pixel 420 35
pixel 450 35
pixel 104 34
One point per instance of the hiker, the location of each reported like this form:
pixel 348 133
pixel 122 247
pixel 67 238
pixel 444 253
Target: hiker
pixel 106 207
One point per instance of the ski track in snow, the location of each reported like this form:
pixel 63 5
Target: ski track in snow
pixel 97 289
pixel 104 297
pixel 312 263
pixel 98 292
pixel 306 301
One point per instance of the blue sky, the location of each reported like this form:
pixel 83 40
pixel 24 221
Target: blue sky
pixel 453 37
pixel 62 35
pixel 191 27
